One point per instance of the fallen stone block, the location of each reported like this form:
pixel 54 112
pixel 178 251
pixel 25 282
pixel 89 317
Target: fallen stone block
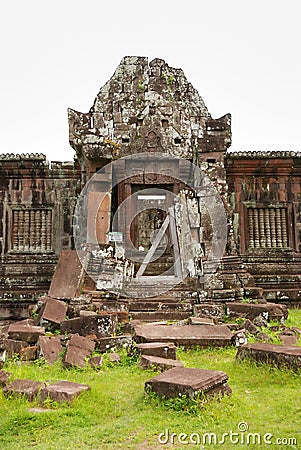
pixel 96 361
pixel 269 311
pixel 262 337
pixel 200 321
pixel 189 382
pixel 29 353
pixel 107 343
pixel 53 311
pixel 63 391
pixel 102 325
pixel 29 388
pixel 289 338
pixel 4 378
pixel 69 274
pixel 50 348
pixel 12 347
pixel 187 335
pixel 166 350
pixel 114 358
pixel 157 363
pixel 81 342
pixel 75 357
pixel 24 332
pixel 249 326
pixel 84 312
pixel 78 350
pixel 278 355
pixel 209 310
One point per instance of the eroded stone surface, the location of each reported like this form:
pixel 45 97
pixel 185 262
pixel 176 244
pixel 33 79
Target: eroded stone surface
pixel 103 325
pixel 53 311
pixel 50 348
pixel 78 350
pixel 160 349
pixel 185 381
pixel 155 362
pixel 29 353
pixel 114 357
pixel 68 275
pixel 96 361
pixel 12 346
pixel 279 355
pixel 4 378
pixel 26 387
pixel 24 332
pixel 63 391
pixel 113 342
pixel 269 311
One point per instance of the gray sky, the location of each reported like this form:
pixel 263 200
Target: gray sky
pixel 242 56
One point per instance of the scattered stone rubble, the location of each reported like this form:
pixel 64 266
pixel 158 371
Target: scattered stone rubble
pixel 51 335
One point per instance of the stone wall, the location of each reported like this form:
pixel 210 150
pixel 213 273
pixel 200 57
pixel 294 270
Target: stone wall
pixel 36 208
pixel 265 196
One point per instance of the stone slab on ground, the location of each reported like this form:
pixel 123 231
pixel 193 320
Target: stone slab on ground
pixel 81 342
pixel 29 353
pixel 114 342
pixel 52 310
pixel 69 274
pixel 114 358
pixel 161 349
pixel 200 321
pixel 269 311
pixel 278 355
pixel 190 382
pixel 25 332
pixel 63 391
pixel 289 338
pixel 4 378
pixel 102 325
pixel 12 346
pixel 78 350
pixel 26 387
pixel 157 363
pixel 185 335
pixel 96 361
pixel 50 348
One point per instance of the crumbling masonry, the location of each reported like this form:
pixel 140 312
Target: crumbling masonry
pixel 151 109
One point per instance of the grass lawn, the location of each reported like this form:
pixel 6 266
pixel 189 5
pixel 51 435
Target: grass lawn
pixel 117 414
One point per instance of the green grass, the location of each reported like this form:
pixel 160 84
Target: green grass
pixel 117 414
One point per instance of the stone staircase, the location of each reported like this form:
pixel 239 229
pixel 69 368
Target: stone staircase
pixel 277 283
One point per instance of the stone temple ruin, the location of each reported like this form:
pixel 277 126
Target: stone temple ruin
pixel 154 220
pixel 162 216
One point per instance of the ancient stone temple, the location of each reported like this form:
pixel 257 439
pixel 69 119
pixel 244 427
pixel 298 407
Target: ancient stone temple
pixel 157 201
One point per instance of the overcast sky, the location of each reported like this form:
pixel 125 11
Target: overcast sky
pixel 242 56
